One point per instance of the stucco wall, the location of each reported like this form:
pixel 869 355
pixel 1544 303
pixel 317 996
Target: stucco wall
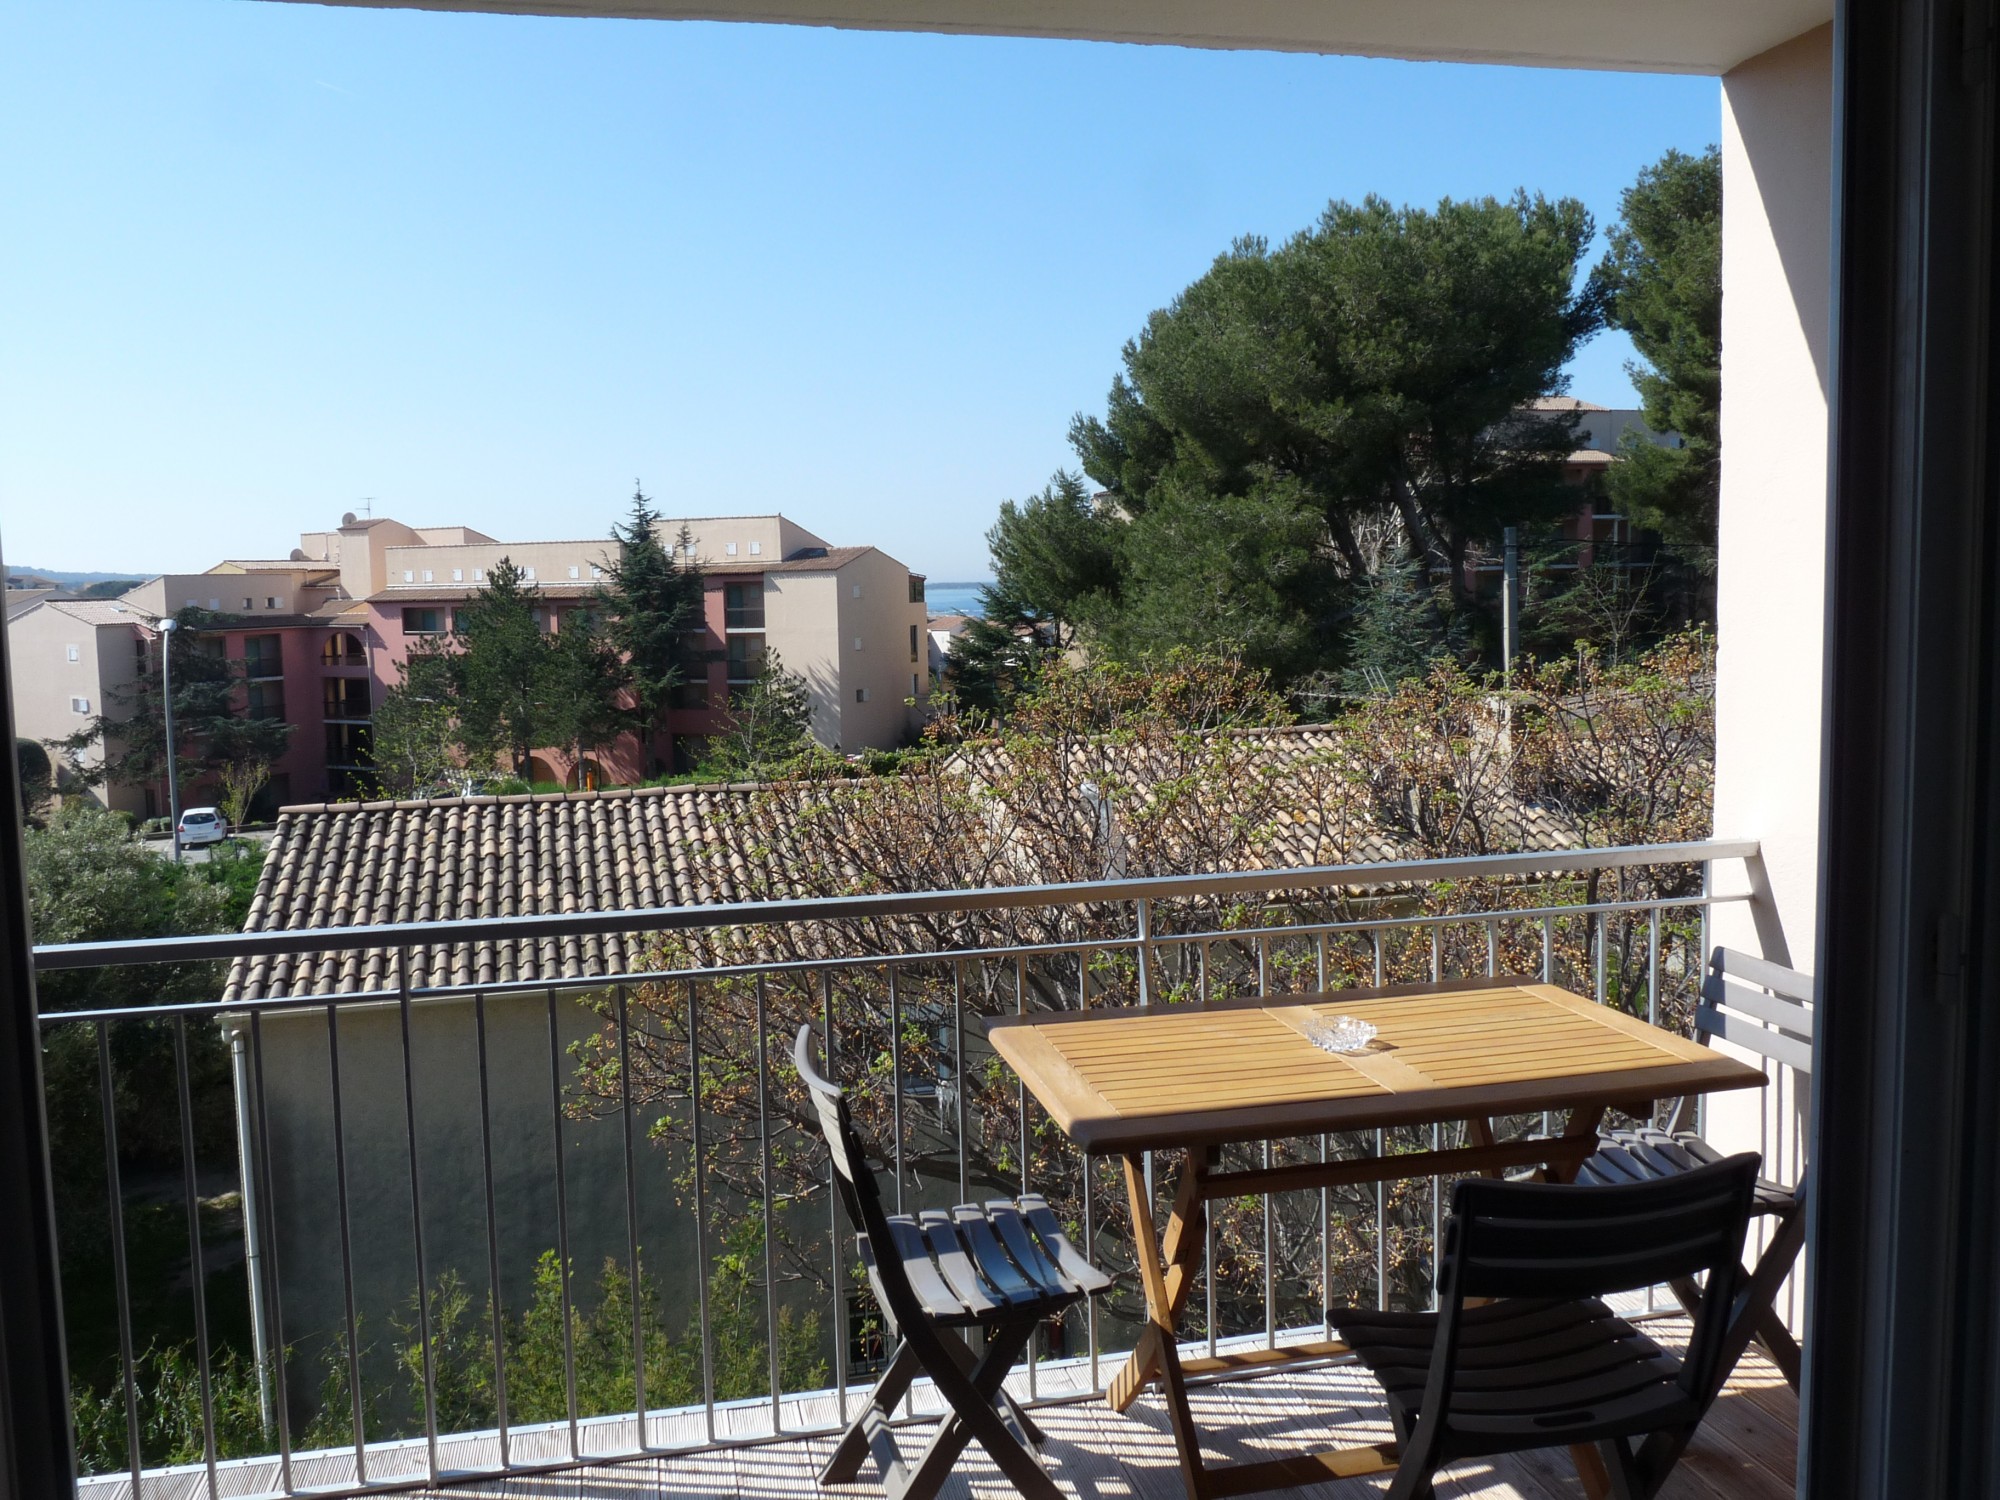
pixel 800 614
pixel 874 643
pixel 45 680
pixel 1777 138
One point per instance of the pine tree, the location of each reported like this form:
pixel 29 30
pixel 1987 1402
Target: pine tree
pixel 1401 630
pixel 651 603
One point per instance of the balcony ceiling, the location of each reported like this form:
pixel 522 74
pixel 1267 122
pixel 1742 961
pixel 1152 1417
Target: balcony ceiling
pixel 1667 36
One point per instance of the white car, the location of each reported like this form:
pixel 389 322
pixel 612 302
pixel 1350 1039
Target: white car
pixel 203 825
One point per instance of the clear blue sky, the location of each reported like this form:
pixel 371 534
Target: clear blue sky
pixel 263 260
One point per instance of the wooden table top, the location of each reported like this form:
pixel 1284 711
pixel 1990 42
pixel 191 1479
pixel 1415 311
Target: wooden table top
pixel 1239 1070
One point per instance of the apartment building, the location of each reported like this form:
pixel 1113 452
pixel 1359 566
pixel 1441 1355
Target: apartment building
pixel 324 633
pixel 849 620
pixel 70 656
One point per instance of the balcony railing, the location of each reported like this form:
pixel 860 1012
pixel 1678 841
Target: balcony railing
pixel 564 1219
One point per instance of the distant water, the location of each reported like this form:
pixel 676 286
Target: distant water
pixel 953 598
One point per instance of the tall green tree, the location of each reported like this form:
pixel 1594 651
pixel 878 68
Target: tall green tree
pixel 1055 556
pixel 1379 358
pixel 1661 282
pixel 212 727
pixel 651 602
pixel 591 681
pixel 505 688
pixel 1372 370
pixel 990 663
pixel 414 734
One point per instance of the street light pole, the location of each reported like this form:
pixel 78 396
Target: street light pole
pixel 167 628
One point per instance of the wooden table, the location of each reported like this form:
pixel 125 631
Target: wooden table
pixel 1197 1077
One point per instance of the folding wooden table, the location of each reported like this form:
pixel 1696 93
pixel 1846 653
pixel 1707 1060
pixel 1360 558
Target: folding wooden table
pixel 1197 1077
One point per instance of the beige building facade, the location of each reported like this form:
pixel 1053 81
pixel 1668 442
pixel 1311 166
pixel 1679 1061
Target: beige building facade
pixel 70 658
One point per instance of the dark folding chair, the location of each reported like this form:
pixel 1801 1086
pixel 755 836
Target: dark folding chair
pixel 1548 1364
pixel 1766 1009
pixel 1002 1269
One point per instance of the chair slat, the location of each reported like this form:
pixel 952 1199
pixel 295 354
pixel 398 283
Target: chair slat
pixel 932 1291
pixel 1000 1272
pixel 955 1264
pixel 1784 1014
pixel 1049 1230
pixel 1036 1263
pixel 1762 972
pixel 1775 1045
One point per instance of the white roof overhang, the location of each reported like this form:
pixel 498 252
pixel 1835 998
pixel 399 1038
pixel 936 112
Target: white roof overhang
pixel 1661 36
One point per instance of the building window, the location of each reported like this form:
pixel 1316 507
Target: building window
pixel 73 653
pixel 479 575
pixel 348 745
pixel 913 684
pixel 79 705
pixel 216 605
pixel 345 697
pixel 743 606
pixel 247 604
pixel 756 549
pixel 747 657
pixel 861 695
pixel 916 588
pixel 575 572
pixel 408 576
pixel 529 574
pixel 263 656
pixel 458 575
pixel 913 643
pixel 427 575
pixel 857 643
pixel 595 571
pixel 342 649
pixel 857 591
pixel 267 699
pixel 729 549
pixel 423 622
pixel 272 601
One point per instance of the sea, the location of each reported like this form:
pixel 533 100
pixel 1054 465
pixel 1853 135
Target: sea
pixel 953 598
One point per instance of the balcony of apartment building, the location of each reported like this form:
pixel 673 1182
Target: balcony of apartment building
pixel 1857 751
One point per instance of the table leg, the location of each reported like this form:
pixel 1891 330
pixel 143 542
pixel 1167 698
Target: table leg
pixel 1166 1288
pixel 1590 1466
pixel 1167 1272
pixel 1583 1123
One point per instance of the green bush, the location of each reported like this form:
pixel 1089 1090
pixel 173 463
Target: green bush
pixel 462 1367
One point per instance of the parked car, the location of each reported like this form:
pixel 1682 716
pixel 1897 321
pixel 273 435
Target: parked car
pixel 203 825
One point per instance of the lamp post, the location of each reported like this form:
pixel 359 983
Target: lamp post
pixel 167 628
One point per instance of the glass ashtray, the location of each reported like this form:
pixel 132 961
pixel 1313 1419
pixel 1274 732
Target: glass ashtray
pixel 1340 1034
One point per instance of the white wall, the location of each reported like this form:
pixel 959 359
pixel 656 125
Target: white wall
pixel 801 624
pixel 875 652
pixel 1777 137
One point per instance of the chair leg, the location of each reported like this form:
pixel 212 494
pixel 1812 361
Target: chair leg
pixel 852 1448
pixel 967 1361
pixel 1779 1344
pixel 977 1404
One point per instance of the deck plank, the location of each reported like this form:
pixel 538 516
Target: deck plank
pixel 1745 1451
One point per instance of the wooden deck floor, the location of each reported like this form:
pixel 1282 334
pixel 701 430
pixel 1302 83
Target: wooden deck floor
pixel 1745 1451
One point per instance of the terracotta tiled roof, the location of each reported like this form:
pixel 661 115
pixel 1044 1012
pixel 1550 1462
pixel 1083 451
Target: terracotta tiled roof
pixel 357 864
